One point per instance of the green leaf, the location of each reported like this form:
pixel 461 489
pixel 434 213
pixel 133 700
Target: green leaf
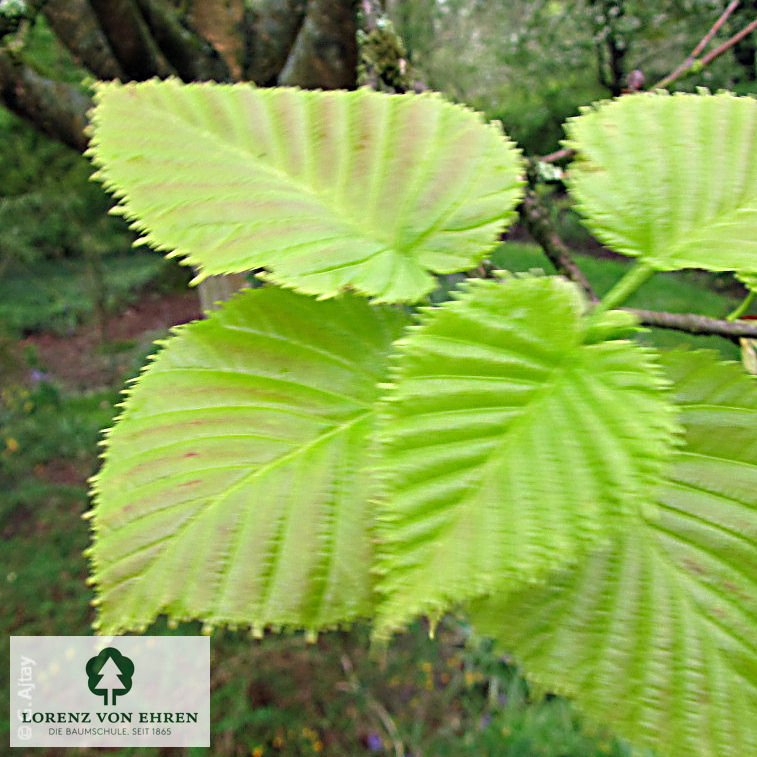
pixel 234 486
pixel 325 189
pixel 508 442
pixel 656 634
pixel 670 179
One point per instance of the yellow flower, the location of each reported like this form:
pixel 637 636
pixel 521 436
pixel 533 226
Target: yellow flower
pixel 11 445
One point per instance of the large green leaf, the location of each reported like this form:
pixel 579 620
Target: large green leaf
pixel 671 179
pixel 656 634
pixel 508 441
pixel 326 189
pixel 234 485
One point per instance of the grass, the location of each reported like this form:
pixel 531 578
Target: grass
pixel 57 295
pixel 455 695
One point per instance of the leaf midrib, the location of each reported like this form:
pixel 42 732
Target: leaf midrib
pixel 215 500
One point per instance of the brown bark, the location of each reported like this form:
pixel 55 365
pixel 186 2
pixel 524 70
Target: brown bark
pixel 537 221
pixel 193 57
pixel 54 107
pixel 324 54
pixel 77 28
pixel 270 30
pixel 692 323
pixel 221 23
pixel 130 39
pixel 217 289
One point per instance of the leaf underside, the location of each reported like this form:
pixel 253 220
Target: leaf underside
pixel 671 179
pixel 327 190
pixel 234 486
pixel 507 443
pixel 656 634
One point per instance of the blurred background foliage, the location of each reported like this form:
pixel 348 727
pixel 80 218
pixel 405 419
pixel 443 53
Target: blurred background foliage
pixel 533 64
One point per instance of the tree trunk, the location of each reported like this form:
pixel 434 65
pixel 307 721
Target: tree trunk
pixel 193 57
pixel 130 39
pixel 305 43
pixel 324 55
pixel 271 28
pixel 76 26
pixel 217 289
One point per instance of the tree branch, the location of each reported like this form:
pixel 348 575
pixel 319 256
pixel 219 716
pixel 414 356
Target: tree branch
pixel 54 107
pixel 690 63
pixel 567 153
pixel 692 323
pixel 270 29
pixel 130 39
pixel 691 59
pixel 193 56
pixel 728 44
pixel 324 54
pixel 77 28
pixel 536 219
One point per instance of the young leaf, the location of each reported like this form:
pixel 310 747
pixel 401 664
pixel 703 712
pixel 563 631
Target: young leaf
pixel 671 179
pixel 507 442
pixel 656 633
pixel 234 485
pixel 325 189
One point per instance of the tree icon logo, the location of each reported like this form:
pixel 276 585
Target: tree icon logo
pixel 109 671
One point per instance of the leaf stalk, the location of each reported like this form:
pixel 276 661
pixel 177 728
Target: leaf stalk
pixel 743 307
pixel 630 282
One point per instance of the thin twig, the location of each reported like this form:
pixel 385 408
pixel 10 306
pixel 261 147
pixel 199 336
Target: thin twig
pixel 691 323
pixel 748 29
pixel 715 27
pixel 566 153
pixel 688 64
pixel 536 219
